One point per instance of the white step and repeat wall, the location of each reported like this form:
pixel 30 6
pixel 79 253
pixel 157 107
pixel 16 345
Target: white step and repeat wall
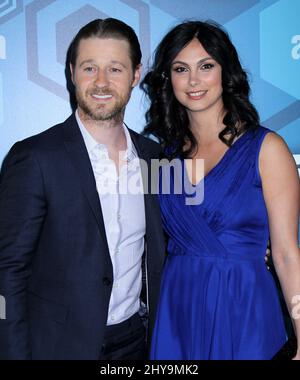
pixel 34 37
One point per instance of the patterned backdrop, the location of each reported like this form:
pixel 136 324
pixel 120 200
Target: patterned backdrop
pixel 34 36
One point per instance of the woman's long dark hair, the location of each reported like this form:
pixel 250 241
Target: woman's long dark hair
pixel 166 118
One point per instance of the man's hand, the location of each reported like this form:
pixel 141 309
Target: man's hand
pixel 268 255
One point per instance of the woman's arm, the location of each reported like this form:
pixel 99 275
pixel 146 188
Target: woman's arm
pixel 280 182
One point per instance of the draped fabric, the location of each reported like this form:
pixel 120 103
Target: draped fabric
pixel 218 299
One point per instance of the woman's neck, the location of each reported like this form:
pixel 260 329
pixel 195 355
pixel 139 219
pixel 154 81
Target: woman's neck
pixel 206 128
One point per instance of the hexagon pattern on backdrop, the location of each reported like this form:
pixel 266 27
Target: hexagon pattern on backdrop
pixel 280 46
pixel 214 9
pixel 35 34
pixel 65 29
pixel 9 9
pixel 280 64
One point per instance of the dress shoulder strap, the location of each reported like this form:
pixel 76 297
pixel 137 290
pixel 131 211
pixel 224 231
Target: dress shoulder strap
pixel 260 135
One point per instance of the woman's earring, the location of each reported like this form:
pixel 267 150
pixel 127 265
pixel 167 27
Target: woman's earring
pixel 164 76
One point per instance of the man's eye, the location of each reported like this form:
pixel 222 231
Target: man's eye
pixel 89 69
pixel 115 70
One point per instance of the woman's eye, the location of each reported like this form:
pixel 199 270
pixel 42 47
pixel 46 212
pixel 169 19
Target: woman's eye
pixel 207 66
pixel 180 69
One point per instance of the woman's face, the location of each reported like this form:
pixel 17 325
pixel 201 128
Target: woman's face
pixel 197 79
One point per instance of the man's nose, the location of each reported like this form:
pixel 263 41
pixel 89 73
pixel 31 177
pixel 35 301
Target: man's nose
pixel 101 79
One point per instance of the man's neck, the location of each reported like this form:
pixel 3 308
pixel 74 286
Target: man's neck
pixel 107 132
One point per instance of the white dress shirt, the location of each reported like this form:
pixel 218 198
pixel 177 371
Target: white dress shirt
pixel 123 209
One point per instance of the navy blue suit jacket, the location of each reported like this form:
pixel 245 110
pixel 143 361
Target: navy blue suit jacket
pixel 55 269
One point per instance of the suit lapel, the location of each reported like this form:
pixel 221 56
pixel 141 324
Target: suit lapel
pixel 76 149
pixel 152 209
pixel 79 157
pixel 155 253
pixel 143 154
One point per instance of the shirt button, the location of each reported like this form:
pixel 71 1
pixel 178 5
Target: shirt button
pixel 117 251
pixel 119 216
pixel 112 318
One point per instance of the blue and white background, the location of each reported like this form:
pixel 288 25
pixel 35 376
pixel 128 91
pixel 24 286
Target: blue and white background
pixel 35 34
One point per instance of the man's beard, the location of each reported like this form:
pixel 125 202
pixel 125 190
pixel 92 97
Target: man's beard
pixel 98 112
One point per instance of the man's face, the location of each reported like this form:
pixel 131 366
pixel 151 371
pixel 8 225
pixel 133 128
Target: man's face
pixel 103 78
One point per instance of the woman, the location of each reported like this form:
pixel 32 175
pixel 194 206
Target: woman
pixel 218 300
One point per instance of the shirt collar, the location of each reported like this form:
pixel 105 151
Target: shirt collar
pixel 91 143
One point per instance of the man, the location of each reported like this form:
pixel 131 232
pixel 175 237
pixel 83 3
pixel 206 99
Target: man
pixel 73 247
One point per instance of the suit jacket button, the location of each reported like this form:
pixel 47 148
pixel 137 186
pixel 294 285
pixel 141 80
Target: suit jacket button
pixel 106 281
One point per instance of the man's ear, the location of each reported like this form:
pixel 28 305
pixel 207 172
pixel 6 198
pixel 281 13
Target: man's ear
pixel 137 75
